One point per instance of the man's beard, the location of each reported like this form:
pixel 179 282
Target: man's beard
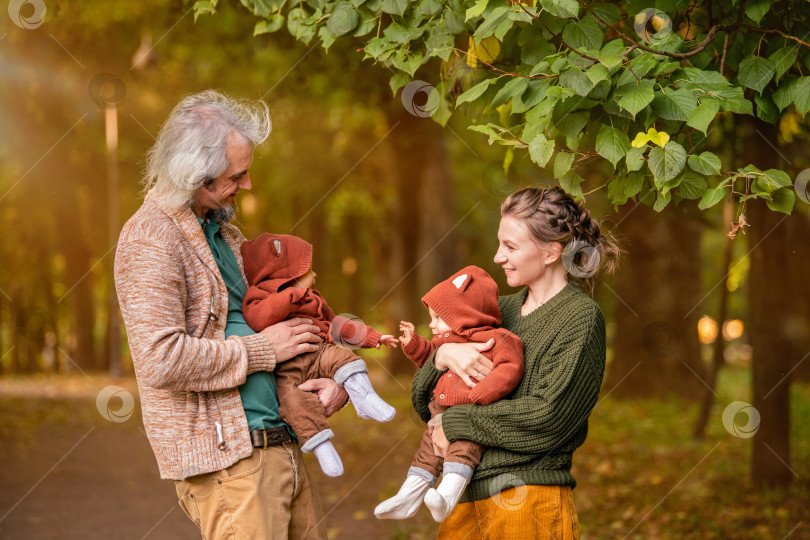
pixel 223 214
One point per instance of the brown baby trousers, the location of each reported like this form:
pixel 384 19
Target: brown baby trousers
pixel 303 411
pixel 464 452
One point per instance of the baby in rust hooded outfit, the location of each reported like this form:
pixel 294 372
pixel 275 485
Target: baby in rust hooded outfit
pixel 280 279
pixel 463 309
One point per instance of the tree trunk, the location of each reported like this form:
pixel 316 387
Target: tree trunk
pixel 771 308
pixel 656 349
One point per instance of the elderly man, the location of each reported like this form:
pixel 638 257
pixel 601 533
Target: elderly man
pixel 205 379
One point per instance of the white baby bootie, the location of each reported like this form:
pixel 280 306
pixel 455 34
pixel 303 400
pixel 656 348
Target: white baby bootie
pixel 442 500
pixel 409 498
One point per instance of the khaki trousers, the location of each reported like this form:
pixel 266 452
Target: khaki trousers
pixel 518 513
pixel 265 496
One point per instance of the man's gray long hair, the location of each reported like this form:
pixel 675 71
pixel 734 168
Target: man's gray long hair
pixel 190 148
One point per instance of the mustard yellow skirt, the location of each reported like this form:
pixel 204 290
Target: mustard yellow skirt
pixel 518 513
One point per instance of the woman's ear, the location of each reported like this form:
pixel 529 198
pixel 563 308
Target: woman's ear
pixel 553 252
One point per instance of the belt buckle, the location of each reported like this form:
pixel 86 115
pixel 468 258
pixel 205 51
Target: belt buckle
pixel 264 433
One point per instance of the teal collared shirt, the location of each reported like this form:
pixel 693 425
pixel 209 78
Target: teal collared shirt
pixel 258 393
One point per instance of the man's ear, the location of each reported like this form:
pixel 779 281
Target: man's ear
pixel 553 252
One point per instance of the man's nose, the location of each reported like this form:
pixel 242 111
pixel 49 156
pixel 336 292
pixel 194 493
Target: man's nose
pixel 244 182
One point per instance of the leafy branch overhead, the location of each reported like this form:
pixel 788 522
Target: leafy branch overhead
pixel 636 85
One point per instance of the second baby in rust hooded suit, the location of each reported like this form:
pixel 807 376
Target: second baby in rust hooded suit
pixel 274 263
pixel 467 303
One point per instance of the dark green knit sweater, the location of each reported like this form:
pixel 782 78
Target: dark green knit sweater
pixel 532 433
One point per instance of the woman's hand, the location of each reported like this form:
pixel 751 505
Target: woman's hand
pixel 440 442
pixel 465 360
pixel 332 396
pixel 293 337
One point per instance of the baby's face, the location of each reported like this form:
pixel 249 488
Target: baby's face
pixel 437 325
pixel 307 281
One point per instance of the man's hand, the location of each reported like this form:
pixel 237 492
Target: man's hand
pixel 465 360
pixel 389 341
pixel 407 329
pixel 293 337
pixel 332 396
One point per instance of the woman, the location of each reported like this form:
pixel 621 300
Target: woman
pixel 522 487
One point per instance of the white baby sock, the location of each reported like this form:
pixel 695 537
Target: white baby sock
pixel 409 498
pixel 442 500
pixel 366 401
pixel 322 447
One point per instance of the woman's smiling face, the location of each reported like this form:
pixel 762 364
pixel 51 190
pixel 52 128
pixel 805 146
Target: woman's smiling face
pixel 519 254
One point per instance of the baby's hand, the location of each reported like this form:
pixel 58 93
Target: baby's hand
pixel 407 330
pixel 389 341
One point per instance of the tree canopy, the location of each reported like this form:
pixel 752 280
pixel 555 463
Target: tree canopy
pixel 634 86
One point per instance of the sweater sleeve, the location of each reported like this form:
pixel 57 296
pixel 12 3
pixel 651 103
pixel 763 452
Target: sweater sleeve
pixel 353 333
pixel 564 383
pixel 418 350
pixel 151 288
pixel 422 387
pixel 507 369
pixel 262 308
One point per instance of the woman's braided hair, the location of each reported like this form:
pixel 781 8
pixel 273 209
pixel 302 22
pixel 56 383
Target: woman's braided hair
pixel 551 215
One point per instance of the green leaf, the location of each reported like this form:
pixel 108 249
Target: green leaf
pixel 635 159
pixel 399 80
pixel 612 144
pixel 493 130
pixel 766 109
pixel 782 60
pixel 476 10
pixel 737 106
pixel 561 8
pixel 571 124
pixel 297 27
pixel 706 163
pixel 343 20
pixel 541 149
pixel 662 200
pixel 406 61
pixel 492 23
pixel 755 72
pixel 756 9
pixel 514 87
pixel 702 116
pixel 674 104
pixel 610 60
pixel 562 163
pixel 782 201
pixel 394 7
pixel 475 92
pixel 440 43
pixel 634 97
pixel 774 179
pixel 712 196
pixel 666 163
pixel 577 80
pixel 205 7
pixel 583 35
pixel 691 186
pixel 597 72
pixel 378 47
pixel 268 26
pixel 571 183
pixel 803 95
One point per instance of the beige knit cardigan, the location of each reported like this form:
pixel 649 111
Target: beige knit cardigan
pixel 175 306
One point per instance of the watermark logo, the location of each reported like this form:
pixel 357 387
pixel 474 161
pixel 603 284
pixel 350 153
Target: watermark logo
pixel 420 98
pixel 730 416
pixel 107 90
pixel 28 14
pixel 661 339
pixel 800 185
pixel 508 492
pixel 580 259
pixel 652 24
pixel 348 330
pixel 106 405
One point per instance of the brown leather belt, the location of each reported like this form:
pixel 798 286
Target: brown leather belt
pixel 262 438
